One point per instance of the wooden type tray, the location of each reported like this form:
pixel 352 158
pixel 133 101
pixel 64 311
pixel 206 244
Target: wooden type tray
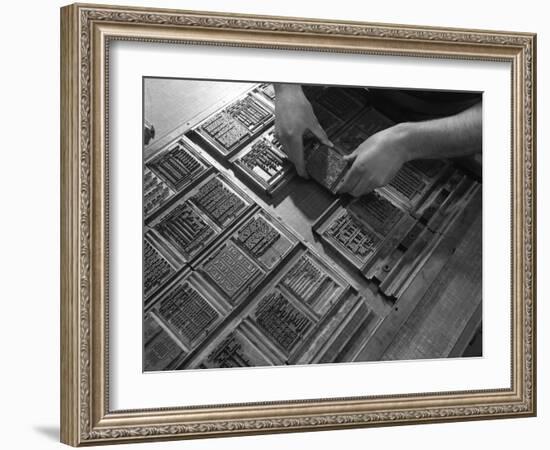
pixel 331 323
pixel 185 147
pixel 206 320
pixel 258 178
pixel 212 229
pixel 270 257
pixel 199 135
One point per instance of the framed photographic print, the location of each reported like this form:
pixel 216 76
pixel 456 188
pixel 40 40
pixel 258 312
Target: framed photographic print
pixel 276 224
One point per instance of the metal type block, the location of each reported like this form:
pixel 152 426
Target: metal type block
pixel 178 166
pixel 229 353
pixel 268 90
pixel 230 270
pixel 325 165
pixel 310 283
pixel 236 349
pixel 408 182
pixel 257 236
pixel 221 204
pixel 188 314
pixel 155 268
pixel 352 237
pixel 416 181
pixel 155 192
pixel 226 131
pixel 281 321
pixel 265 239
pixel 184 228
pixel 251 112
pixel 378 212
pixel 160 352
pixel 150 327
pixel 264 166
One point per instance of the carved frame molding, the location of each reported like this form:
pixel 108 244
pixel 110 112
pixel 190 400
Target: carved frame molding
pixel 86 31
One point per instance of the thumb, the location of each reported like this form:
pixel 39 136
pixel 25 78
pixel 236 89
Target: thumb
pixel 320 134
pixel 296 155
pixel 351 156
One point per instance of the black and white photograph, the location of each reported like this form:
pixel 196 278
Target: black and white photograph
pixel 289 224
pixel 275 225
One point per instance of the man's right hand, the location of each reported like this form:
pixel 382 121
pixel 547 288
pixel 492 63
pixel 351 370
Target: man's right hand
pixel 293 117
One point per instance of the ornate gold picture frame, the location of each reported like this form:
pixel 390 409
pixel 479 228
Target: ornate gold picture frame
pixel 86 34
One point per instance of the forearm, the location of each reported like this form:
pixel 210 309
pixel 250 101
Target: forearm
pixel 286 88
pixel 448 137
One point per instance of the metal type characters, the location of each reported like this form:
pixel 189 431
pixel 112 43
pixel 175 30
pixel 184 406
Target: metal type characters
pixel 160 352
pixel 230 269
pixel 408 182
pixel 150 327
pixel 250 112
pixel 263 162
pixel 281 321
pixel 257 236
pixel 177 166
pixel 156 268
pixel 272 137
pixel 219 202
pixel 187 312
pixel 307 281
pixel 155 192
pixel 229 353
pixel 184 228
pixel 380 214
pixel 268 90
pixel 353 235
pixel 226 130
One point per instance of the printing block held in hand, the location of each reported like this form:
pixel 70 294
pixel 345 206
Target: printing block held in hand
pixel 324 164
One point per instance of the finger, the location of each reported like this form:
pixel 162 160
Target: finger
pixel 282 138
pixel 320 134
pixel 296 155
pixel 365 186
pixel 351 156
pixel 285 145
pixel 350 180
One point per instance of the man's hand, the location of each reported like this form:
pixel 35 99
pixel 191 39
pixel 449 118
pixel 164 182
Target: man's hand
pixel 375 162
pixel 293 117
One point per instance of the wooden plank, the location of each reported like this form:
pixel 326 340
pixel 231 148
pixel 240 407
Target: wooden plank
pixel 413 295
pixel 439 320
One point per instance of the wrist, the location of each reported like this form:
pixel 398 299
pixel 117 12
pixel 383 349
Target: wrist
pixel 287 89
pixel 404 136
